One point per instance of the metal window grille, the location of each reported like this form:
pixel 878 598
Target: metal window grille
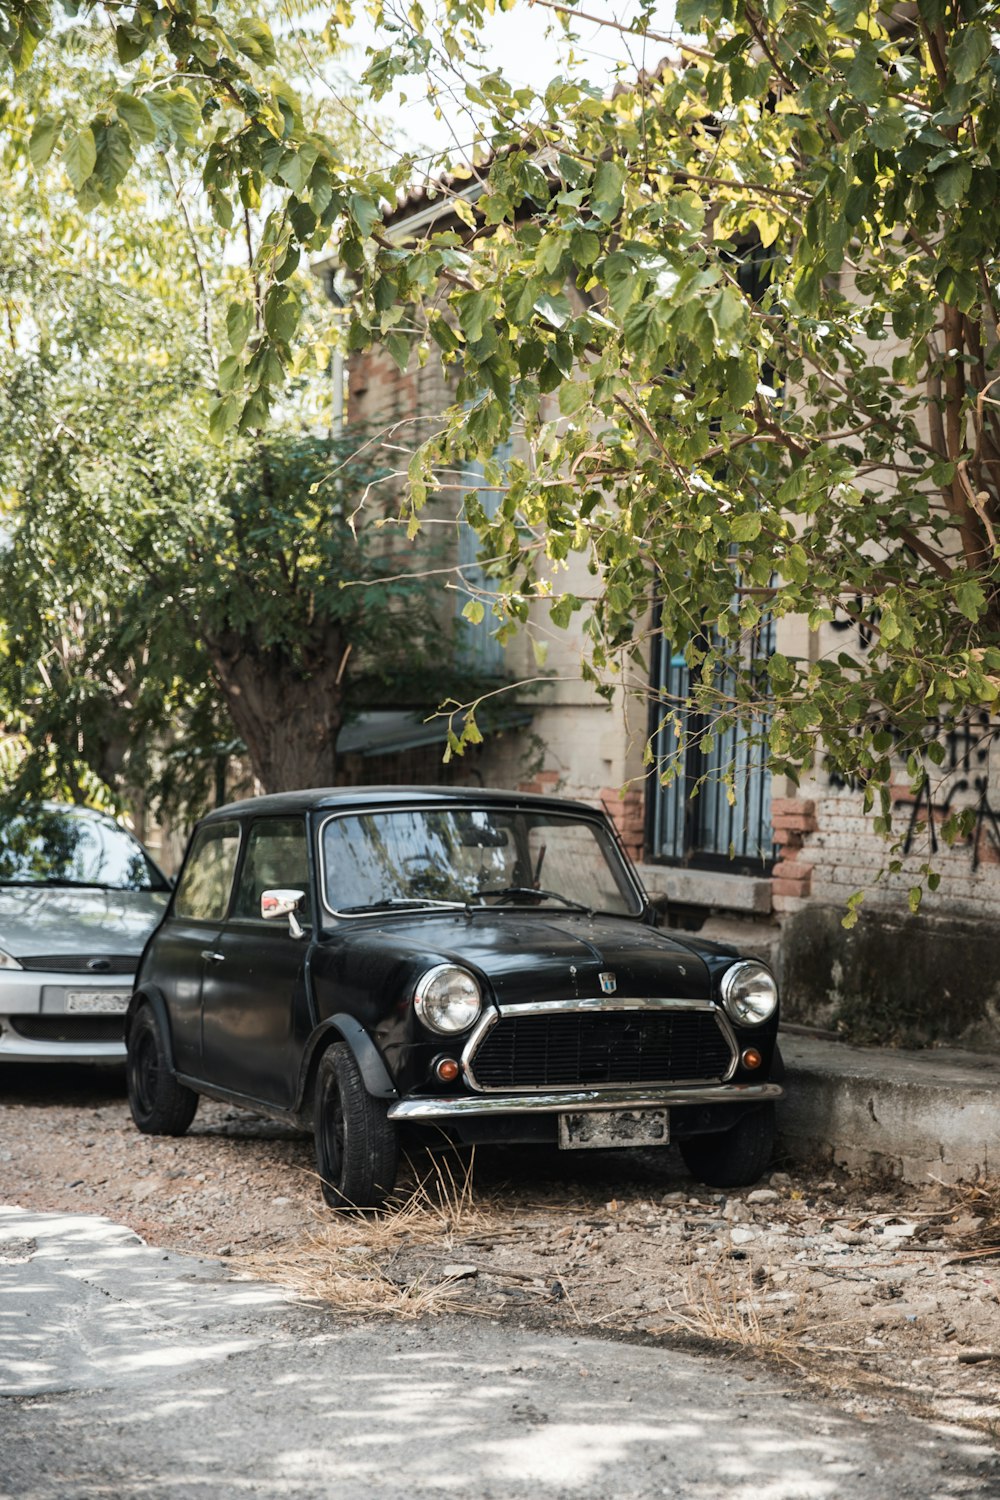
pixel 478 649
pixel 691 820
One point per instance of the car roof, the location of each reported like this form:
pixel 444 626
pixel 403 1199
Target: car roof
pixel 344 798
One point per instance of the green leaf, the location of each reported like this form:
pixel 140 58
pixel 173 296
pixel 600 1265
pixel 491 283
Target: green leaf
pixel 572 396
pixel 618 274
pixel 398 347
pixel 951 183
pixel 136 116
pixel 253 38
pixel 281 313
pixel 239 321
pixel 223 416
pixel 555 309
pixel 474 612
pixel 887 130
pixel 365 212
pixel 131 41
pixel 606 193
pixel 114 158
pixel 182 113
pixel 79 156
pixel 969 51
pixel 745 528
pixel 43 139
pixel 970 599
pixel 865 77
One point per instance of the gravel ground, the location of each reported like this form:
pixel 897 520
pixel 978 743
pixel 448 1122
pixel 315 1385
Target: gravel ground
pixel 886 1295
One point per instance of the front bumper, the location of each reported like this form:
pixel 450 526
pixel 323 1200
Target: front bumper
pixel 33 1001
pixel 463 1106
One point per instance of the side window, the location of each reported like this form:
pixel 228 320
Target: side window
pixel 203 894
pixel 276 859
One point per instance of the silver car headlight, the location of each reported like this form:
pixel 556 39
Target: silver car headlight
pixel 448 999
pixel 749 993
pixel 8 961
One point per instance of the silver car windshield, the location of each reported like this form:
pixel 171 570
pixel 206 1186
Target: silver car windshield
pixel 65 846
pixel 472 857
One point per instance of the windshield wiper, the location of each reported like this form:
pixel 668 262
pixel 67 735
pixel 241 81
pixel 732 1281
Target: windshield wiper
pixel 403 903
pixel 508 892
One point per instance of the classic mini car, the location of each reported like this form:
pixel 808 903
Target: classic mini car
pixel 79 896
pixel 478 966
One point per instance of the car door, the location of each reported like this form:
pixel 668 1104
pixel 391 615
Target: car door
pixel 189 938
pixel 255 1014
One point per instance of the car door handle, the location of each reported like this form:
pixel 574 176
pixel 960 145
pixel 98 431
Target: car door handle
pixel 211 956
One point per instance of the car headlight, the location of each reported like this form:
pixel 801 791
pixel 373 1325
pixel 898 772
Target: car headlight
pixel 8 961
pixel 448 999
pixel 749 993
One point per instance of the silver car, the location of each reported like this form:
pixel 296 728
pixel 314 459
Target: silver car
pixel 79 896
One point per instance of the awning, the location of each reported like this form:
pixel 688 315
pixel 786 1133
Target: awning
pixel 390 731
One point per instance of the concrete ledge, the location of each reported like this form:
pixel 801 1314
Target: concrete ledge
pixel 912 1115
pixel 740 893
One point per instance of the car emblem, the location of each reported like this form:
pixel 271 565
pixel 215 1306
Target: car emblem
pixel 608 983
pixel 98 965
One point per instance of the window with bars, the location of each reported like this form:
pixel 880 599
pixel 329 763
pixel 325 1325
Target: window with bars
pixel 691 820
pixel 478 650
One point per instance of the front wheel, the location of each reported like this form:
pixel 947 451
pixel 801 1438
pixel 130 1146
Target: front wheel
pixel 735 1157
pixel 357 1150
pixel 159 1104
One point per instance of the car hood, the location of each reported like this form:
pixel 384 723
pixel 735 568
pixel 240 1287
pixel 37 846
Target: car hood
pixel 37 921
pixel 525 956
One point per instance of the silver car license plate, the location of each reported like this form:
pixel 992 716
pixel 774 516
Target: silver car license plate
pixel 113 1001
pixel 605 1129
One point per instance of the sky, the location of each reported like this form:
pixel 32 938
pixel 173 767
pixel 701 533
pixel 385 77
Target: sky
pixel 529 50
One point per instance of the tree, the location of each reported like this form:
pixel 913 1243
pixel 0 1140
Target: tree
pixel 743 313
pixel 166 598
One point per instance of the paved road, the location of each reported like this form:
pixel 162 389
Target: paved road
pixel 127 1372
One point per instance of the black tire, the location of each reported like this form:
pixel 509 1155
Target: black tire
pixel 159 1104
pixel 357 1149
pixel 736 1157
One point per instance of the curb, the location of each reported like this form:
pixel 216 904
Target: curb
pixel 911 1115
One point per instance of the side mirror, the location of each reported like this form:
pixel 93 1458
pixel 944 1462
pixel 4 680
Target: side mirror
pixel 282 903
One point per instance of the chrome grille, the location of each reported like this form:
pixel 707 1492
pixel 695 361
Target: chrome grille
pixel 593 1048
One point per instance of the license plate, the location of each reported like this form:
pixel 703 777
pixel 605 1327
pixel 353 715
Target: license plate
pixel 113 1001
pixel 604 1129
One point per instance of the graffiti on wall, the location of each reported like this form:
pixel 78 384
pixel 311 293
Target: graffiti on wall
pixel 960 782
pixel 963 781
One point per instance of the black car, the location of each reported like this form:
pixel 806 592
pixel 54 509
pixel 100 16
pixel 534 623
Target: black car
pixel 474 966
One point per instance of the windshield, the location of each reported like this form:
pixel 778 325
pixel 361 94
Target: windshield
pixel 65 846
pixel 483 857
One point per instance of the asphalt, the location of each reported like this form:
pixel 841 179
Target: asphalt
pixel 914 1115
pixel 129 1372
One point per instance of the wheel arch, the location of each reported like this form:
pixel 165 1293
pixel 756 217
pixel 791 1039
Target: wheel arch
pixel 371 1064
pixel 153 997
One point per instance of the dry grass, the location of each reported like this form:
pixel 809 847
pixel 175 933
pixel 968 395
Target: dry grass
pixel 722 1305
pixel 349 1261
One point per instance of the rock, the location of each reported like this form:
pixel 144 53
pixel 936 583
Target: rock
pixel 846 1236
pixel 742 1236
pixel 763 1195
pixel 460 1273
pixel 780 1180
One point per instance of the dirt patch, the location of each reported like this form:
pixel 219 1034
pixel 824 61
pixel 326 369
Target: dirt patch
pixel 889 1295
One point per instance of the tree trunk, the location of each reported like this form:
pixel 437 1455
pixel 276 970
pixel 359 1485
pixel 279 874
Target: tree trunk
pixel 288 712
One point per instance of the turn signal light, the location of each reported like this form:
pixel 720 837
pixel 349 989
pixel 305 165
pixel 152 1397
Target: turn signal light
pixel 446 1068
pixel 752 1058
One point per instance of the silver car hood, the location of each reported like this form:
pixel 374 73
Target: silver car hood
pixel 39 921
